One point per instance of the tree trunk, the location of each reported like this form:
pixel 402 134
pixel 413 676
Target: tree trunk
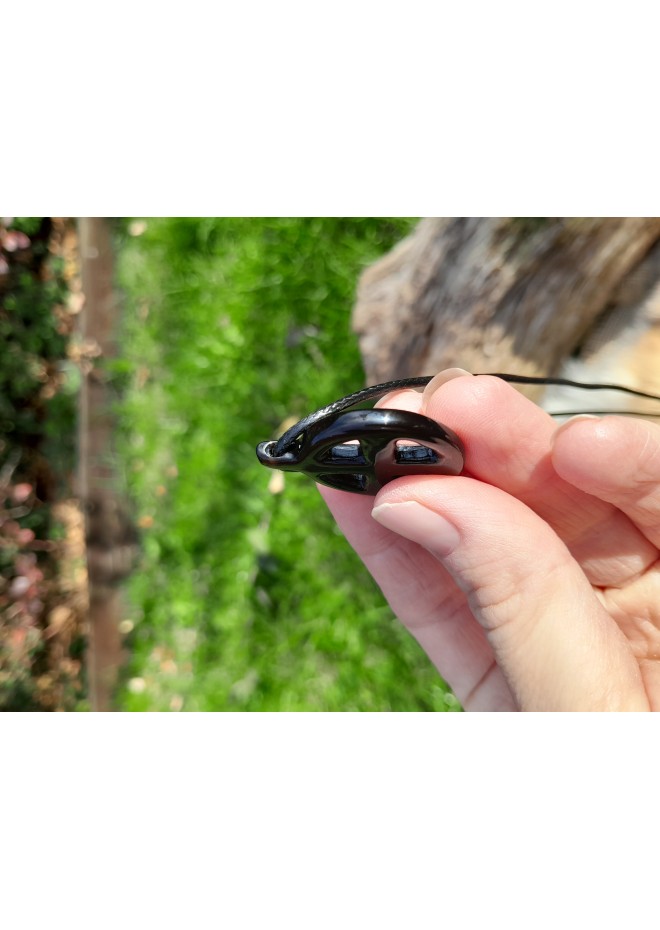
pixel 510 294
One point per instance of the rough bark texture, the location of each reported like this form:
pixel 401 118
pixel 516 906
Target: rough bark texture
pixel 504 294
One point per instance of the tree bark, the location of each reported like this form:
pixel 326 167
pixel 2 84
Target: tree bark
pixel 502 294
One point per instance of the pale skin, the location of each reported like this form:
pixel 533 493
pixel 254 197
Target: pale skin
pixel 532 581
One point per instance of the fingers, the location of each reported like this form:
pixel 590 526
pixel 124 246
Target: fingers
pixel 616 460
pixel 501 607
pixel 442 378
pixel 508 442
pixel 422 595
pixel 410 399
pixel 425 599
pixel 555 644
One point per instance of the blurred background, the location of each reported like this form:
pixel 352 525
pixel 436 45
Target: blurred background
pixel 147 560
pixel 242 595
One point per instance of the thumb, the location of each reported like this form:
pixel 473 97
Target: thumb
pixel 555 643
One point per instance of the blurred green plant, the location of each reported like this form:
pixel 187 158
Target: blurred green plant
pixel 35 328
pixel 248 598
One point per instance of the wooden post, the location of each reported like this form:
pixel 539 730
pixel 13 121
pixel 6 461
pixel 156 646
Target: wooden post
pixel 110 535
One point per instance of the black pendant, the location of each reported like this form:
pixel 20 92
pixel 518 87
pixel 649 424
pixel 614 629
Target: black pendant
pixel 361 450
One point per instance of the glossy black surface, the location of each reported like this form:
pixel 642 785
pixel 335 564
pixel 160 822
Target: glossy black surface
pixel 361 450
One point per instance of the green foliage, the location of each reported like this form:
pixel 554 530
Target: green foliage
pixel 37 425
pixel 248 599
pixel 30 225
pixel 33 338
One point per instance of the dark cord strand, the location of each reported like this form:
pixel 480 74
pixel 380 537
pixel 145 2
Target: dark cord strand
pixel 376 391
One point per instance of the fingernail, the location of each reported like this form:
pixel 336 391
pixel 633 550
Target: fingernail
pixel 420 524
pixel 389 398
pixel 441 378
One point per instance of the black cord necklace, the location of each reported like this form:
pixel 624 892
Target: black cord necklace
pixel 361 450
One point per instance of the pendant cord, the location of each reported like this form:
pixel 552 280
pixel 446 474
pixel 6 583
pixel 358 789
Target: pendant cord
pixel 566 382
pixel 376 391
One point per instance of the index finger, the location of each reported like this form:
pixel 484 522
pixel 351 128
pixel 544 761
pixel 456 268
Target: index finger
pixel 509 444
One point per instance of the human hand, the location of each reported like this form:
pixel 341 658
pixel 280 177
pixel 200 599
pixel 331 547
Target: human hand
pixel 532 581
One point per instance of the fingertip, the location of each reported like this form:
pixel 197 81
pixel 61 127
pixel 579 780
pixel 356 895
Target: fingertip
pixel 567 436
pixel 583 440
pixel 483 405
pixel 471 389
pixel 442 378
pixel 610 452
pixel 418 523
pixel 570 423
pixel 404 399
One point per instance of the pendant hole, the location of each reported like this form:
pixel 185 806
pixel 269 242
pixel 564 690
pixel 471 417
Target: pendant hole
pixel 407 443
pixel 412 453
pixel 344 453
pixel 356 483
